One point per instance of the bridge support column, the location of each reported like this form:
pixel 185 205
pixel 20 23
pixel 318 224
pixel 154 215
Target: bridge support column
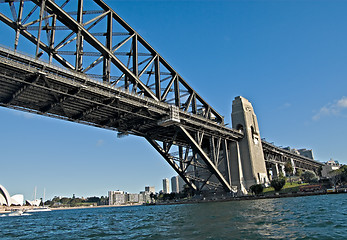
pixel 275 170
pixel 282 169
pixel 269 170
pixel 293 165
pixel 252 166
pixel 237 179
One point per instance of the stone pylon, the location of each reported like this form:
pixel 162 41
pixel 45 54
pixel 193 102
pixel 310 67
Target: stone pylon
pixel 247 157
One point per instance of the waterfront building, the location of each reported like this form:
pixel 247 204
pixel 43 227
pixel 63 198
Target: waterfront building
pixel 133 198
pixel 116 198
pixel 181 184
pixel 7 200
pixel 329 166
pixel 306 153
pixel 166 185
pixel 123 198
pixel 175 184
pixel 110 198
pixel 144 197
pixel 35 202
pixel 150 189
pixel 303 152
pixel 141 198
pixel 17 199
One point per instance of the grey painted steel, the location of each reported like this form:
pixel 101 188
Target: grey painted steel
pixel 207 160
pixel 42 88
pixel 194 139
pixel 172 163
pixel 108 53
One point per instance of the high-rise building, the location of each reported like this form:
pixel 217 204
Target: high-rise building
pixel 181 184
pixel 175 184
pixel 133 198
pixel 144 197
pixel 150 189
pixel 166 185
pixel 116 198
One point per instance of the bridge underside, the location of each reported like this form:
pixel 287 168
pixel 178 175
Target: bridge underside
pixel 194 146
pixel 110 77
pixel 276 158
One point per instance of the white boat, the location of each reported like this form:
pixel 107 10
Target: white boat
pixel 38 209
pixel 16 213
pixel 36 203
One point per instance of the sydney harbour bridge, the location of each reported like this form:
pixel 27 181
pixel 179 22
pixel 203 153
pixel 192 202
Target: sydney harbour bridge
pixel 84 63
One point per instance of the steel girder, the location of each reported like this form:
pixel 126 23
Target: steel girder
pixel 274 154
pixel 201 160
pixel 214 150
pixel 47 87
pixel 195 147
pixel 128 62
pixel 196 152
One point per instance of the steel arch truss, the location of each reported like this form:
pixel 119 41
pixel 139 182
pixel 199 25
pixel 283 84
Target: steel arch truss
pixel 89 37
pixel 202 161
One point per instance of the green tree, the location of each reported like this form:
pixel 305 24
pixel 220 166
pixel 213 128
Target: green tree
pixel 93 200
pixel 187 191
pixel 298 172
pixel 335 178
pixel 104 200
pixel 288 167
pixel 343 170
pixel 257 189
pixel 309 177
pixel 152 195
pixel 338 176
pixel 75 202
pixel 172 196
pixel 56 199
pixel 278 183
pixel 64 200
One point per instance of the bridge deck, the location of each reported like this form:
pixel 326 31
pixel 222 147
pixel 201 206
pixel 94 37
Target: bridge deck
pixel 274 150
pixel 36 86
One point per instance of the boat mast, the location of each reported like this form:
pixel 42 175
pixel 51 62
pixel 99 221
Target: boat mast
pixel 43 200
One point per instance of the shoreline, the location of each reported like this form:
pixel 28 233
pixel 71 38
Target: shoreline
pixel 225 199
pixel 251 197
pixel 4 210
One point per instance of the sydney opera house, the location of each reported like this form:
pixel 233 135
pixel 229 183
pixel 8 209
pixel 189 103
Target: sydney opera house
pixel 7 200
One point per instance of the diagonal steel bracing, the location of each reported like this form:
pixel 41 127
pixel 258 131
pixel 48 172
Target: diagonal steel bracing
pixel 58 100
pixel 213 168
pixel 169 159
pixel 21 89
pixel 95 107
pixel 138 75
pixel 132 91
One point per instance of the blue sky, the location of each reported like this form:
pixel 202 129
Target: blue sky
pixel 288 58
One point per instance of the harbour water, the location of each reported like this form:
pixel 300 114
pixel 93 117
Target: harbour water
pixel 310 217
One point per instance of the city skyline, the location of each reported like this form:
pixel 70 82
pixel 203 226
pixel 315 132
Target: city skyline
pixel 288 58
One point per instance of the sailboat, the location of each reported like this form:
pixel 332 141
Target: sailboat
pixel 38 208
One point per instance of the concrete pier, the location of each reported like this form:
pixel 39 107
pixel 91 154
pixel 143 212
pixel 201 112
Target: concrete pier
pixel 248 166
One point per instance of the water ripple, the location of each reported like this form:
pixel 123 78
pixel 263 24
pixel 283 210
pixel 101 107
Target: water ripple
pixel 314 217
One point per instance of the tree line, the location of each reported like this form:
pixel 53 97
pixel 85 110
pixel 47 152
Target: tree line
pixel 75 201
